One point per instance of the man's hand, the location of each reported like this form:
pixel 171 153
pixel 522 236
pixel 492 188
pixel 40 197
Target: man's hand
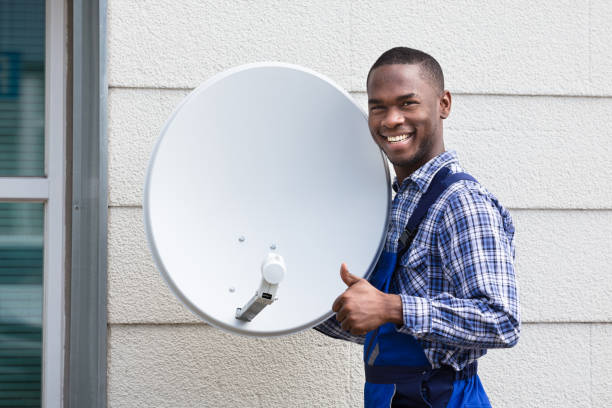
pixel 363 308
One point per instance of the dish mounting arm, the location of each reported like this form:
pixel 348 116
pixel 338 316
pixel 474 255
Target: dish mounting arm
pixel 272 273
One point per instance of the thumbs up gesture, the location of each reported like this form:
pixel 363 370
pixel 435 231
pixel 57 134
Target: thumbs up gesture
pixel 348 277
pixel 362 307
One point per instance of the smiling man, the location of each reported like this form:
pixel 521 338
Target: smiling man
pixel 443 290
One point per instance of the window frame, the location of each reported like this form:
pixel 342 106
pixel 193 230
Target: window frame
pixel 54 282
pixel 86 379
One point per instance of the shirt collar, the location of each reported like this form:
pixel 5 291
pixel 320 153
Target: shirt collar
pixel 422 177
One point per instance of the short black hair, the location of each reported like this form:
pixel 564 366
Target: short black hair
pixel 430 68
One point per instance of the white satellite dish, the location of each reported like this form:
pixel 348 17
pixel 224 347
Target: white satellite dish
pixel 263 181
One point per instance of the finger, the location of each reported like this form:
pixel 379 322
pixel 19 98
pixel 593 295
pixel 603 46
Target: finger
pixel 345 325
pixel 348 277
pixel 341 315
pixel 337 304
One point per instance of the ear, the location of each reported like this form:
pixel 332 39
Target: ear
pixel 445 104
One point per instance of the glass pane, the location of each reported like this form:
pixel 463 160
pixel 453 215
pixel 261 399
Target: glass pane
pixel 21 291
pixel 22 87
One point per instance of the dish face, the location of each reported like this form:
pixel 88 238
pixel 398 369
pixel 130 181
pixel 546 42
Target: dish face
pixel 265 158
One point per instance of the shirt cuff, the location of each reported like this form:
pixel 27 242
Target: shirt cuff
pixel 417 315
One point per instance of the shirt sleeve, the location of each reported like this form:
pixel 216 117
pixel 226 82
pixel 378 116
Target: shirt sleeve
pixel 331 327
pixel 475 238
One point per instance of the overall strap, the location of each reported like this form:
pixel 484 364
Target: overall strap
pixel 441 181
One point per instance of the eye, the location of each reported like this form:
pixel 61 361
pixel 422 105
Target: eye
pixel 408 103
pixel 376 108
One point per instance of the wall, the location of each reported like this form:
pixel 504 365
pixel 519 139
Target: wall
pixel 531 110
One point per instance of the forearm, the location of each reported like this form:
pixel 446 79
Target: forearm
pixel 465 323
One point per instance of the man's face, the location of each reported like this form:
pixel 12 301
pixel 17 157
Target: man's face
pixel 405 116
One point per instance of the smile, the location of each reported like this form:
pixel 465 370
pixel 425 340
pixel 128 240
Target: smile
pixel 398 138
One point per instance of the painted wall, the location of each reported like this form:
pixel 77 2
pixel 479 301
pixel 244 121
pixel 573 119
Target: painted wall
pixel 531 114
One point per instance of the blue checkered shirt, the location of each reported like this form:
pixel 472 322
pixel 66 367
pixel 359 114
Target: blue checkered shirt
pixel 456 282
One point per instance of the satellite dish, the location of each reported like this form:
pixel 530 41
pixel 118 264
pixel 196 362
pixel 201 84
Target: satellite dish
pixel 263 181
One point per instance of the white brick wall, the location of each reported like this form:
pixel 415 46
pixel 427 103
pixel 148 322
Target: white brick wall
pixel 531 116
pixel 198 366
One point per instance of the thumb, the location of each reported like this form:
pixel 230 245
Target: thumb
pixel 348 277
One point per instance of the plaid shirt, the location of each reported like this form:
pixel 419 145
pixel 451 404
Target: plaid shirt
pixel 456 281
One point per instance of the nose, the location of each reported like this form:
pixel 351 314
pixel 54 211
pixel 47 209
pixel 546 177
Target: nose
pixel 392 119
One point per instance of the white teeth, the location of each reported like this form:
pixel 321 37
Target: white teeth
pixel 398 138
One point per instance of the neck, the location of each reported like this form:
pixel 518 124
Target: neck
pixel 404 171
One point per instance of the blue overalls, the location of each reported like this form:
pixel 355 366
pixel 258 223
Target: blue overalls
pixel 397 371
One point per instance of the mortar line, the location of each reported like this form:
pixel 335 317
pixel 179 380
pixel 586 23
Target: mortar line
pixel 204 324
pixel 362 91
pixel 152 88
pixel 139 206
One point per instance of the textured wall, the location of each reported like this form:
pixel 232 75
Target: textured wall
pixel 531 109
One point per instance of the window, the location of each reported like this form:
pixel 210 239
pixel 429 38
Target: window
pixel 32 202
pixel 21 282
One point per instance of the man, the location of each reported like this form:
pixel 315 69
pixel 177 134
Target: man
pixel 444 290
